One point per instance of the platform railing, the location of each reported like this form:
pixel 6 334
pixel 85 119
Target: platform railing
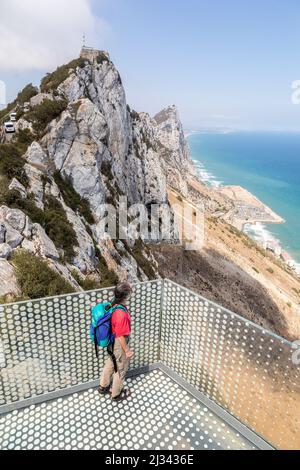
pixel 45 345
pixel 244 368
pixel 45 348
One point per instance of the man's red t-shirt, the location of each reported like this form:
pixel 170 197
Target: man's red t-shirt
pixel 121 323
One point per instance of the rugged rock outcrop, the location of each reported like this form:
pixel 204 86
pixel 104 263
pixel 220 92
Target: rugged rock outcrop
pixel 81 146
pixel 92 153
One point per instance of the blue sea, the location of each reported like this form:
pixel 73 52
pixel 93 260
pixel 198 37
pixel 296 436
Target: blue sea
pixel 265 163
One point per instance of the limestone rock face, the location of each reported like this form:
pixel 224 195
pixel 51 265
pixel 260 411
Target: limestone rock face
pixel 85 252
pixel 23 124
pixel 13 238
pixel 98 128
pixel 17 186
pixel 39 98
pixel 170 134
pixel 59 139
pixel 174 148
pixel 12 223
pixel 14 217
pixel 42 243
pixel 36 185
pixel 36 156
pixel 104 150
pixel 5 250
pixel 8 284
pixel 2 232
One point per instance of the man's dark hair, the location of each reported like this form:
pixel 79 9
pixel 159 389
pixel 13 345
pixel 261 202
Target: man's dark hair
pixel 122 292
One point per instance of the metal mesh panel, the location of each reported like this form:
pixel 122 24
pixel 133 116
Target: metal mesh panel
pixel 237 364
pixel 45 345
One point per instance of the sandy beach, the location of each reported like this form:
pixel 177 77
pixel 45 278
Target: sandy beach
pixel 248 209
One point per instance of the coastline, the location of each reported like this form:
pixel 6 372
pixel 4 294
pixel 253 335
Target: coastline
pixel 255 227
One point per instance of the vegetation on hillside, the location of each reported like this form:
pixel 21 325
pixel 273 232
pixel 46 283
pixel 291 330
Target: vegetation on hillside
pixel 4 112
pixel 44 113
pixel 134 115
pixel 101 58
pixel 23 96
pixel 28 92
pixel 142 261
pixel 11 161
pixel 85 283
pixel 53 218
pixel 58 227
pixel 52 80
pixel 36 279
pixel 108 277
pixel 72 198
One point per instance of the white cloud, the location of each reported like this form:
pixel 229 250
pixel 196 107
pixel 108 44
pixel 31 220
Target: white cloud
pixel 41 34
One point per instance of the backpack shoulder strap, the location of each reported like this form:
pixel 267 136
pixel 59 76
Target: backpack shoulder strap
pixel 119 307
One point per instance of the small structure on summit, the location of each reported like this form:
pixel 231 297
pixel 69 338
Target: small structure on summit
pixel 92 54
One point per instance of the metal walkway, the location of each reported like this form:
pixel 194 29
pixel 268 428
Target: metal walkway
pixel 160 414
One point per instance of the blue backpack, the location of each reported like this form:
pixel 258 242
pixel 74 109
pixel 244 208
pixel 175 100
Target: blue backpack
pixel 100 331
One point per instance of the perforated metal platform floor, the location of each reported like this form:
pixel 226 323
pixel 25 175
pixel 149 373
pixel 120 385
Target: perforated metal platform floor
pixel 160 414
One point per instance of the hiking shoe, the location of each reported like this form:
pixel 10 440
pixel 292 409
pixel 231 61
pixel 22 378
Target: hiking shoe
pixel 103 390
pixel 123 395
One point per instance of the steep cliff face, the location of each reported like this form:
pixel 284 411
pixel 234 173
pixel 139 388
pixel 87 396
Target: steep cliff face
pixel 94 150
pixel 80 146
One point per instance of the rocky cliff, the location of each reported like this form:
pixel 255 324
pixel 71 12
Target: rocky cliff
pixel 79 145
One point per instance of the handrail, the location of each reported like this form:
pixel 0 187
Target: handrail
pixel 236 315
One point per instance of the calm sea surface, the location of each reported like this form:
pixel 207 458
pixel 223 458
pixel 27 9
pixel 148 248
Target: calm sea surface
pixel 265 163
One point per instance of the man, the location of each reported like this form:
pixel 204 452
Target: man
pixel 116 367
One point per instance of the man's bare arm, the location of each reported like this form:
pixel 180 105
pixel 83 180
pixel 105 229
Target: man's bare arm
pixel 129 354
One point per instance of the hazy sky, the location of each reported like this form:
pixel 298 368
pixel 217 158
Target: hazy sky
pixel 225 63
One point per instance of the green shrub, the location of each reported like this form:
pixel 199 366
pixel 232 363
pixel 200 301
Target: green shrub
pixel 13 199
pixel 142 261
pixel 106 170
pixel 87 283
pixel 11 163
pixel 255 269
pixel 53 218
pixel 28 92
pixel 108 277
pixel 36 279
pixel 134 115
pixel 25 95
pixel 58 227
pixel 73 199
pixel 52 80
pixel 101 58
pixel 4 112
pixel 24 138
pixel 20 113
pixel 270 270
pixel 44 113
